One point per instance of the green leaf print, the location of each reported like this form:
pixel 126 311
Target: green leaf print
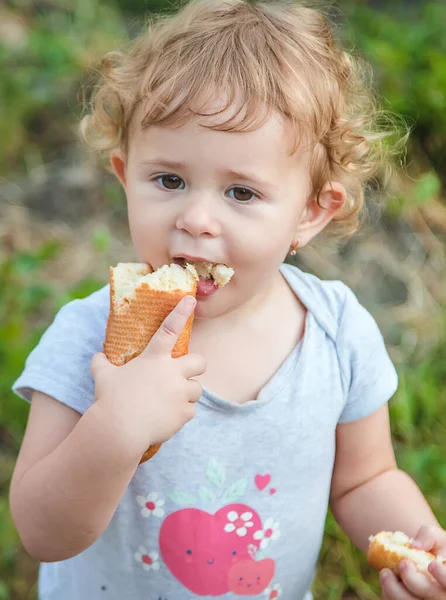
pixel 216 473
pixel 235 491
pixel 206 494
pixel 181 498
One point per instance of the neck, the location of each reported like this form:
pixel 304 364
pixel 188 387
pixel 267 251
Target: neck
pixel 250 311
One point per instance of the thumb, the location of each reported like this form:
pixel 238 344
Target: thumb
pixel 167 335
pixel 426 538
pixel 99 362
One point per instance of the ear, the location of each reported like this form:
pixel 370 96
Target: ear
pixel 118 165
pixel 320 211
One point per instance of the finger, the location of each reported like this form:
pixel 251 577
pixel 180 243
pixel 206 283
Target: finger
pixel 419 584
pixel 426 538
pixel 167 335
pixel 438 570
pixel 194 390
pixel 192 365
pixel 393 588
pixel 98 364
pixel 190 410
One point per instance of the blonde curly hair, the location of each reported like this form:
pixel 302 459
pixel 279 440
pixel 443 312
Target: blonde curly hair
pixel 275 56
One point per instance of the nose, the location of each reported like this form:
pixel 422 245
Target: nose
pixel 198 216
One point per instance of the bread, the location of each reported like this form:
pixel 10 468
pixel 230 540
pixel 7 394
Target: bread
pixel 140 300
pixel 221 274
pixel 387 549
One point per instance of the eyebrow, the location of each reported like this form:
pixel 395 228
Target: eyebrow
pixel 172 164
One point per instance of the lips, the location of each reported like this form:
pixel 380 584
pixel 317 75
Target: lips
pixel 182 259
pixel 211 275
pixel 206 287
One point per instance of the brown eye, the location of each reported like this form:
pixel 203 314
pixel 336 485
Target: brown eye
pixel 170 182
pixel 242 194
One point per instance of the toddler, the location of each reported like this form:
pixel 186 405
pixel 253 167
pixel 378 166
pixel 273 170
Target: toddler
pixel 239 132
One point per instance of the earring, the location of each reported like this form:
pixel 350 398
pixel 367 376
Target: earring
pixel 294 247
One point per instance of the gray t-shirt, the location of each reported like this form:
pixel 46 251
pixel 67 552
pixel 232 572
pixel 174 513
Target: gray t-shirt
pixel 235 503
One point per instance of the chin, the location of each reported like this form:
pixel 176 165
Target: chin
pixel 210 307
pixel 207 308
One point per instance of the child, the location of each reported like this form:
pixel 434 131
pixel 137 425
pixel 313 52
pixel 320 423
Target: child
pixel 239 131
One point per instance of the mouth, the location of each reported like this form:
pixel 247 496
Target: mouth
pixel 182 259
pixel 211 275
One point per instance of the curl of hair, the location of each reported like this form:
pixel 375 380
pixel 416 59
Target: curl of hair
pixel 265 56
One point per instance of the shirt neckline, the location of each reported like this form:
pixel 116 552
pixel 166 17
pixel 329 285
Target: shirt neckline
pixel 280 378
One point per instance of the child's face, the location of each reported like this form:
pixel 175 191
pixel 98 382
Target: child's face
pixel 224 197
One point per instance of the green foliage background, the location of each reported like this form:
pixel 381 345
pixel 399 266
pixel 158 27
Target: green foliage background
pixel 43 60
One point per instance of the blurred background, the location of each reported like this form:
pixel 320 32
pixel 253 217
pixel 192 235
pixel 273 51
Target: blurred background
pixel 63 222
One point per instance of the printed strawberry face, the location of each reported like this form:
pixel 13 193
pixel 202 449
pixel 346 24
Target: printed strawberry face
pixel 250 577
pixel 200 549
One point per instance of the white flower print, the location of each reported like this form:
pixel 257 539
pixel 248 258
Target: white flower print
pixel 274 592
pixel 269 532
pixel 239 524
pixel 252 551
pixel 151 505
pixel 149 560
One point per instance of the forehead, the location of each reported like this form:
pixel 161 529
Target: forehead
pixel 200 136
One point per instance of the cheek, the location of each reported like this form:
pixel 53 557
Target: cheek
pixel 141 235
pixel 149 227
pixel 262 254
pixel 139 207
pixel 266 241
pixel 135 213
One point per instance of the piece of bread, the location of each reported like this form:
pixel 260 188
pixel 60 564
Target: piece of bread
pixel 388 548
pixel 140 300
pixel 221 274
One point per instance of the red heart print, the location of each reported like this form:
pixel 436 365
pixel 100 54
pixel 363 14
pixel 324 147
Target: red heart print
pixel 200 552
pixel 272 491
pixel 250 577
pixel 262 481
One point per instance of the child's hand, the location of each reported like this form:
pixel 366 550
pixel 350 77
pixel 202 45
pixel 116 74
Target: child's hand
pixel 413 584
pixel 151 397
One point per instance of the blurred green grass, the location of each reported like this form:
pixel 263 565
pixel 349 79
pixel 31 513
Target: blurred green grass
pixel 42 65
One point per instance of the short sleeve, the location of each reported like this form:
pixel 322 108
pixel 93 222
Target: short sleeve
pixel 370 378
pixel 60 364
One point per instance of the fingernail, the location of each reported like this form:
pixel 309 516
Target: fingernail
pixel 384 574
pixel 431 567
pixel 416 544
pixel 189 301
